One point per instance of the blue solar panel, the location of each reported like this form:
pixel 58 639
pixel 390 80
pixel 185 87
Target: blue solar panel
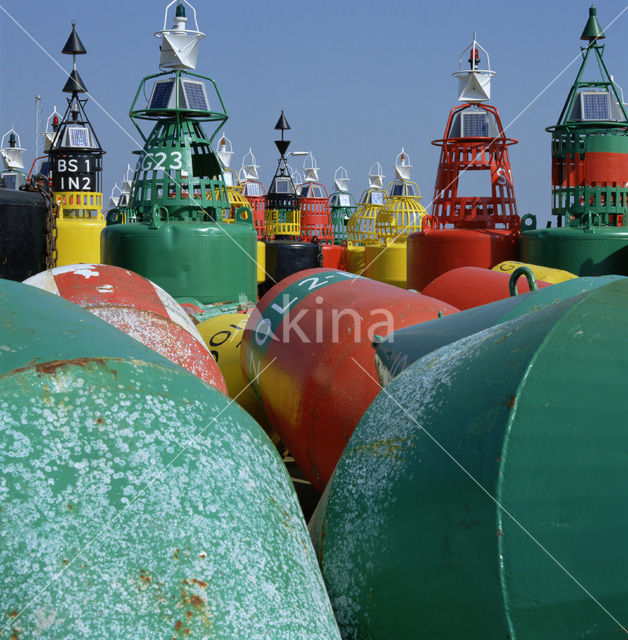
pixel 595 106
pixel 195 95
pixel 161 94
pixel 474 125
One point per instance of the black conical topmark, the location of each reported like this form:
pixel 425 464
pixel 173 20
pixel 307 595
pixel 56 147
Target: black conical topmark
pixel 74 46
pixel 282 145
pixel 282 123
pixel 74 83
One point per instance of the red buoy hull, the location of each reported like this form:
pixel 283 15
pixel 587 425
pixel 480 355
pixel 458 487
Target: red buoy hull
pixel 468 287
pixel 432 252
pixel 139 308
pixel 307 351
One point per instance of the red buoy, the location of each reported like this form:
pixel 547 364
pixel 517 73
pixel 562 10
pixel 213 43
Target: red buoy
pixel 314 203
pixel 307 351
pixel 139 308
pixel 468 287
pixel 433 252
pixel 333 256
pixel 468 229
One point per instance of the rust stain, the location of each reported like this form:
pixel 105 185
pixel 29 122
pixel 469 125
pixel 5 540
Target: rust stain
pixel 202 555
pixel 178 624
pixel 176 554
pixel 500 533
pixel 144 577
pixel 201 583
pixel 513 400
pixel 69 506
pixel 99 420
pixel 50 368
pixel 15 635
pixel 195 604
pixel 196 601
pixel 65 561
pixel 13 614
pixel 186 632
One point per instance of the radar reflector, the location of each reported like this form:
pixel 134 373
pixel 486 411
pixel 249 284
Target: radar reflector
pixel 249 167
pixel 12 154
pixel 310 169
pixel 179 45
pixel 224 151
pixel 341 180
pixel 376 176
pixel 402 165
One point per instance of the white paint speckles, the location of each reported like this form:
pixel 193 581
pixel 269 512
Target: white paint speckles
pixel 223 513
pixel 354 510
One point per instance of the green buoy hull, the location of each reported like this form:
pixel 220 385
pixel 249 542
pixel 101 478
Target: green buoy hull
pixel 136 501
pixel 214 262
pixel 594 251
pixel 530 412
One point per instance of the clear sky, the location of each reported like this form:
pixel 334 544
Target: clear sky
pixel 357 79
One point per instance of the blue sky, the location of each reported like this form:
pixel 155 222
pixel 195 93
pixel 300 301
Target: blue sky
pixel 357 79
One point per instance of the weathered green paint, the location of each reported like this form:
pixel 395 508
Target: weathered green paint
pixel 399 349
pixel 535 410
pixel 585 251
pixel 204 261
pixel 136 501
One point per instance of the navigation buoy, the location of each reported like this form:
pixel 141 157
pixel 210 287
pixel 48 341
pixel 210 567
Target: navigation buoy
pixel 75 158
pixel 469 229
pixel 589 174
pixel 303 347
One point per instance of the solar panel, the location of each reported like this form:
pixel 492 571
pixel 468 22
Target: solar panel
pixel 344 200
pixel 474 125
pixel 252 189
pixel 78 136
pixel 195 95
pixel 595 105
pixel 160 97
pixel 377 197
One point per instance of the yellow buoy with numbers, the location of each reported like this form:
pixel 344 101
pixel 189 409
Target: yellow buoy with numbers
pixel 223 337
pixel 546 274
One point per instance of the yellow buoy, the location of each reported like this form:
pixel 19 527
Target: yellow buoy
pixel 223 336
pixel 387 263
pixel 261 261
pixel 546 274
pixel 401 215
pixel 354 257
pixel 79 223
